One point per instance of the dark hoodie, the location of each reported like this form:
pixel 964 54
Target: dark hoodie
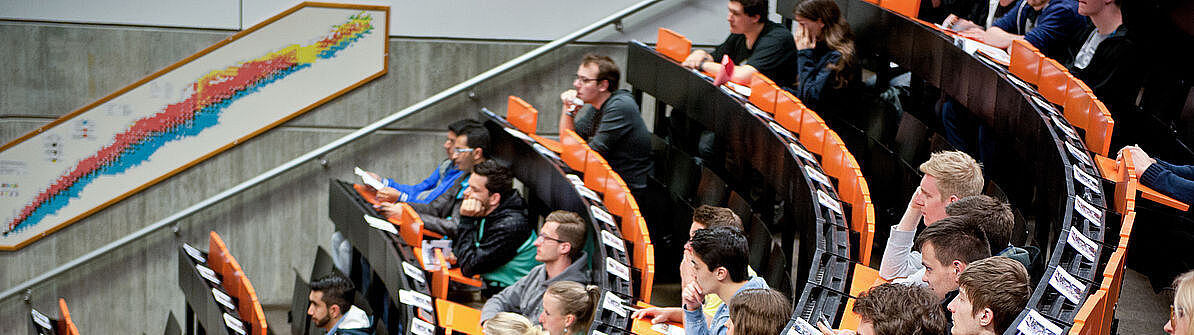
pixel 497 246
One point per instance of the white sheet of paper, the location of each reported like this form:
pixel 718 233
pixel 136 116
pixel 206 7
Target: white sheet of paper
pixel 778 129
pixel 369 180
pixel 744 91
pixel 1079 154
pixel 545 151
pixel 194 253
pixel 1065 128
pixel 972 46
pixel 617 268
pixel 519 134
pixel 601 215
pixel 613 240
pixel 1069 286
pixel 414 272
pixel 575 179
pixel 1044 104
pixel 1082 244
pixel 1087 180
pixel 1035 324
pixel 757 111
pixel 41 319
pixel 796 148
pixel 613 303
pixel 416 299
pixel 1092 214
pixel 597 332
pixel 828 201
pixel 587 193
pixel 668 329
pixel 420 327
pixel 207 273
pixel 223 299
pixel 380 224
pixel 818 176
pixel 234 323
pixel 802 327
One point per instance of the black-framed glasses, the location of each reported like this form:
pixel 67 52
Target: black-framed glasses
pixel 584 80
pixel 549 238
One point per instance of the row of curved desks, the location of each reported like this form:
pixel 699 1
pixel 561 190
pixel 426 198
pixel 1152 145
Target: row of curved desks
pixel 1042 161
pixel 813 221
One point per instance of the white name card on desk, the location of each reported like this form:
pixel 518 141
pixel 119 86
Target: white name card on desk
pixel 597 332
pixel 1084 245
pixel 587 193
pixel 668 329
pixel 223 298
pixel 601 215
pixel 614 303
pixel 416 299
pixel 1048 106
pixel 778 129
pixel 41 319
pixel 207 273
pixel 369 180
pixel 1090 212
pixel 1065 128
pixel 1087 180
pixel 972 46
pixel 1035 324
pixel 796 148
pixel 825 200
pixel 194 253
pixel 818 176
pixel 613 240
pixel 575 179
pixel 234 323
pixel 380 224
pixel 519 134
pixel 802 327
pixel 1079 154
pixel 414 272
pixel 617 268
pixel 756 111
pixel 420 327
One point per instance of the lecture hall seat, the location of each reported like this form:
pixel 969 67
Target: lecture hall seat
pixel 763 93
pixel 1025 62
pixel 1054 83
pixel 525 118
pixel 673 45
pixel 68 325
pixel 454 317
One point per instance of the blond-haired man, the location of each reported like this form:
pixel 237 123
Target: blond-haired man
pixel 948 176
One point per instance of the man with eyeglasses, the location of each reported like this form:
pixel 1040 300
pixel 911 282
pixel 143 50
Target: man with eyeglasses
pixel 608 119
pixel 560 247
pixel 468 148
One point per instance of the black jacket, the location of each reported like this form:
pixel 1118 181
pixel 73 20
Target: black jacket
pixel 484 244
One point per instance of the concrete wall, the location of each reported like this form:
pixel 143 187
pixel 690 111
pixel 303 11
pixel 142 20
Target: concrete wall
pixel 52 69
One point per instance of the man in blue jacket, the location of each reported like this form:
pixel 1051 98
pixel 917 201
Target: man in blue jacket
pixel 1053 26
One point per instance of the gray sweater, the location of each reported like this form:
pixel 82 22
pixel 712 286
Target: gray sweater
pixel 525 296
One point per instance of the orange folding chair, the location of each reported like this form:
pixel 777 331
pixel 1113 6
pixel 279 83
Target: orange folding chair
pixel 68 326
pixel 1026 62
pixel 763 92
pixel 909 8
pixel 1098 135
pixel 787 111
pixel 596 172
pixel 813 131
pixel 673 45
pixel 526 119
pixel 1089 320
pixel 458 318
pixel 1055 81
pixel 575 151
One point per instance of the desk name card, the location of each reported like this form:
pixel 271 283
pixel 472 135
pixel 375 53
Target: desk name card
pixel 194 253
pixel 416 299
pixel 613 240
pixel 616 268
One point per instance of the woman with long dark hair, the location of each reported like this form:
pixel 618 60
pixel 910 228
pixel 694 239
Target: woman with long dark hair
pixel 825 55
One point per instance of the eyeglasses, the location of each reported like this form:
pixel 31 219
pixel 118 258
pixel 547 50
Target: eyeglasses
pixel 462 150
pixel 549 238
pixel 584 80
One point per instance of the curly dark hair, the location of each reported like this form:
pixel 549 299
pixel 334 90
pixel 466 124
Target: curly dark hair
pixel 899 309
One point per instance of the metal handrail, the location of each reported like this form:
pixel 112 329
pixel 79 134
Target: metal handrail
pixel 314 154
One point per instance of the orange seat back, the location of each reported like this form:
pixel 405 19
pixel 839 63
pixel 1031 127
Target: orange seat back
pixel 1054 83
pixel 1125 183
pixel 68 325
pixel 1026 62
pixel 440 278
pixel 457 317
pixel 1098 134
pixel 673 45
pixel 647 280
pixel 763 92
pixel 813 131
pixel 596 172
pixel 1089 320
pixel 787 111
pixel 217 256
pixel 520 114
pixel 411 227
pixel 1077 106
pixel 909 8
pixel 249 307
pixel 616 194
pixel 575 150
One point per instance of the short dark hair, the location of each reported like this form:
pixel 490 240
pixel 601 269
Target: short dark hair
pixel 955 238
pixel 900 309
pixel 723 247
pixel 499 179
pixel 459 126
pixel 336 289
pixel 759 311
pixel 477 137
pixel 713 217
pixel 753 8
pixel 994 217
pixel 607 70
pixel 998 283
pixel 571 229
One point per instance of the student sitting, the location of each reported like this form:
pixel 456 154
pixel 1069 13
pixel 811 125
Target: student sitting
pixel 494 238
pixel 897 309
pixel 330 307
pixel 996 220
pixel 506 323
pixel 948 247
pixel 447 175
pixel 568 308
pixel 758 312
pixel 1052 26
pixel 1176 181
pixel 470 148
pixel 991 293
pixel 755 44
pixel 825 57
pixel 560 247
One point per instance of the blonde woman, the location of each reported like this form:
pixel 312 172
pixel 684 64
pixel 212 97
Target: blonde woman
pixel 568 308
pixel 506 323
pixel 1183 301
